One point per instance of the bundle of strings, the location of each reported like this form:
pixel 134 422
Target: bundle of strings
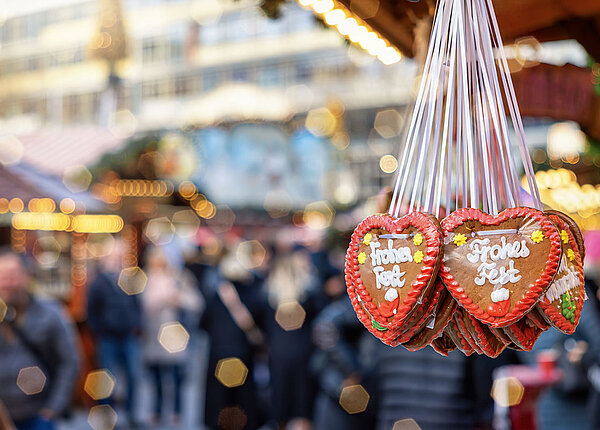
pixel 458 151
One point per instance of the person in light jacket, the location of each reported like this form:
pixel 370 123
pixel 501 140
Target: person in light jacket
pixel 170 299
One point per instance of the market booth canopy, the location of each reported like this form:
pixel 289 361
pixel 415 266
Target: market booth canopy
pixel 546 20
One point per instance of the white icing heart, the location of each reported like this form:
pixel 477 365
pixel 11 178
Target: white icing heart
pixel 391 294
pixel 500 295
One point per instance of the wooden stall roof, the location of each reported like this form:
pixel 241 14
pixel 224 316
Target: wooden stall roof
pixel 546 20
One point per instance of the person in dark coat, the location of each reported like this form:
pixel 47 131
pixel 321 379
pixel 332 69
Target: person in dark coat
pixel 436 391
pixel 233 305
pixel 38 353
pixel 295 298
pixel 115 319
pixel 342 359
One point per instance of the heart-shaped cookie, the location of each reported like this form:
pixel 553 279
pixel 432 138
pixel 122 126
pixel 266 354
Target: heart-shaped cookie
pixel 573 227
pixel 391 267
pixel 523 334
pixel 486 339
pixel 561 304
pixel 497 268
pixel 443 345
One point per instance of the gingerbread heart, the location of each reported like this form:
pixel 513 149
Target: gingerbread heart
pixel 523 334
pixel 486 339
pixel 573 227
pixel 391 267
pixel 562 303
pixel 443 345
pixel 497 268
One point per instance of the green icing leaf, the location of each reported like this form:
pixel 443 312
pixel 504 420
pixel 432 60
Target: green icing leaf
pixel 377 326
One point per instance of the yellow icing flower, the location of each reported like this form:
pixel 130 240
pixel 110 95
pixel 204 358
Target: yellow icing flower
pixel 367 238
pixel 537 236
pixel 362 257
pixel 460 239
pixel 564 236
pixel 418 239
pixel 571 255
pixel 418 257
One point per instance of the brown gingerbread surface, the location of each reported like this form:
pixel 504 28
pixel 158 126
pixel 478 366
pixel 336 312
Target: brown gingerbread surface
pixel 391 264
pixel 497 268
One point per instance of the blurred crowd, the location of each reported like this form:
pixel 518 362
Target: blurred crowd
pixel 285 349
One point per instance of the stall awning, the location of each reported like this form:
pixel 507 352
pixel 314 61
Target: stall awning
pixel 55 149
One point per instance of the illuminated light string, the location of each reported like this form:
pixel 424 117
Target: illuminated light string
pixel 64 222
pixel 355 29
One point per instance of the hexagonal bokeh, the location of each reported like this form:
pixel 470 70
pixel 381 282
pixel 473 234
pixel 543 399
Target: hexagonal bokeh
pixel 231 372
pixel 318 215
pixel 159 231
pixel 507 391
pixel 99 384
pixel 407 424
pixel 186 223
pixel 354 399
pixel 388 123
pixel 77 178
pixel 3 309
pixel 102 417
pixel 46 250
pixel 250 254
pixel 132 280
pixel 31 380
pixel 321 122
pixel 173 337
pixel 365 9
pixel 290 315
pixel 232 417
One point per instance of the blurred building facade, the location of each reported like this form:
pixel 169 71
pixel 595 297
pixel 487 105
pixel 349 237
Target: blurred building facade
pixel 200 63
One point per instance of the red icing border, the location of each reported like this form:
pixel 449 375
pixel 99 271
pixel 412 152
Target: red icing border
pixel 555 317
pixel 535 291
pixel 525 342
pixel 433 239
pixel 482 340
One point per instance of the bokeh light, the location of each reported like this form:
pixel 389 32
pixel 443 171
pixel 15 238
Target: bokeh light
pixel 354 399
pixel 321 122
pixel 46 250
pixel 11 150
pixel 16 205
pixel 388 164
pixel 407 424
pixel 507 391
pixel 388 123
pixel 173 337
pixel 132 280
pixel 99 384
pixel 159 231
pixel 231 372
pixel 102 417
pixel 318 215
pixel 232 418
pixel 250 254
pixel 365 9
pixel 186 223
pixel 290 315
pixel 67 205
pixel 31 380
pixel 77 178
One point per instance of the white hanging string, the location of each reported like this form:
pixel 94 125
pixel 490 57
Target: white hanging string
pixel 459 123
